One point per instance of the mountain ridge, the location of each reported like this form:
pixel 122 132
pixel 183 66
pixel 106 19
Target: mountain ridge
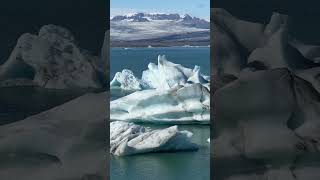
pixel 158 29
pixel 156 16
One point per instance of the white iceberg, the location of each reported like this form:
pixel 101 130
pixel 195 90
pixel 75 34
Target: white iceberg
pixel 128 139
pixel 126 81
pixel 53 60
pixel 182 104
pixel 166 75
pixel 167 92
pixel 65 142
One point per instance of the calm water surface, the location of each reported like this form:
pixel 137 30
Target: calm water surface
pixel 137 59
pixel 163 166
pixel 17 103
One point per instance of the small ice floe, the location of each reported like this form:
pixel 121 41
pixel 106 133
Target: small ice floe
pixel 128 139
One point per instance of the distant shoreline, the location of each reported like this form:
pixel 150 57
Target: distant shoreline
pixel 162 42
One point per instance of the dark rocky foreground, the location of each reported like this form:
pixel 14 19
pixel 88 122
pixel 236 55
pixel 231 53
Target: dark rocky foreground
pixel 267 101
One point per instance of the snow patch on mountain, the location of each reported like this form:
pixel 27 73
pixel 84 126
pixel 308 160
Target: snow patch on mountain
pixel 149 26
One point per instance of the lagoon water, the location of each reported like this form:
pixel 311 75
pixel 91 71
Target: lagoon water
pixel 137 59
pixel 17 103
pixel 163 166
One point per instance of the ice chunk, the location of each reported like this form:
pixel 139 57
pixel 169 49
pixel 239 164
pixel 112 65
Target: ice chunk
pixel 167 92
pixel 181 104
pixel 196 77
pixel 65 142
pixel 126 80
pixel 52 60
pixel 165 75
pixel 128 138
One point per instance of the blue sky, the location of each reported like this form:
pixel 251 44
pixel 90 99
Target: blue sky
pixel 198 8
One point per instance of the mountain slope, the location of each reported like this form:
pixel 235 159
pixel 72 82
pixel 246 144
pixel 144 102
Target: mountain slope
pixel 143 29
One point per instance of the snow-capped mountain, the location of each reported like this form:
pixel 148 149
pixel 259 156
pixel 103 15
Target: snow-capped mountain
pixel 143 29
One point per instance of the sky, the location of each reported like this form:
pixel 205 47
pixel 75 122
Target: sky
pixel 198 8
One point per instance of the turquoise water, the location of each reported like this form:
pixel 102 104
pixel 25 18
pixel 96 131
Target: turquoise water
pixel 167 166
pixel 163 166
pixel 137 59
pixel 17 103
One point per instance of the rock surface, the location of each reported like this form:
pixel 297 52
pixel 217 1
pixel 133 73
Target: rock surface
pixel 128 139
pixel 52 59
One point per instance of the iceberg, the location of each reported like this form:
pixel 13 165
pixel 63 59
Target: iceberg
pixel 128 139
pixel 126 81
pixel 166 75
pixel 166 93
pixel 52 59
pixel 181 104
pixel 65 142
pixel 265 81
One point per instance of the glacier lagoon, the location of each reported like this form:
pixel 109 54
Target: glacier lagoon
pixel 15 102
pixel 165 165
pixel 136 59
pixel 193 165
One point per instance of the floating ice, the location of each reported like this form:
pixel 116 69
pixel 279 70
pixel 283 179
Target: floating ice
pixel 165 75
pixel 128 138
pixel 181 104
pixel 52 59
pixel 167 93
pixel 126 80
